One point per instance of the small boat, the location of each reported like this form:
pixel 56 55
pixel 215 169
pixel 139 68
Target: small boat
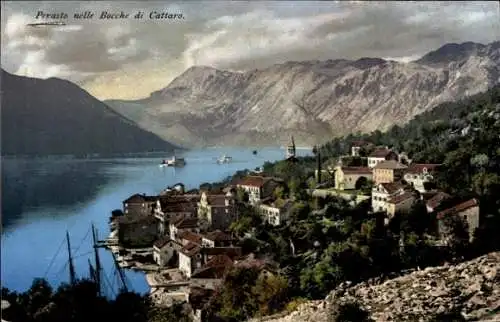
pixel 254 152
pixel 224 159
pixel 174 162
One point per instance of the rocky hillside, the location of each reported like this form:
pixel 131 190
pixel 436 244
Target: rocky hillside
pixel 312 99
pixel 471 289
pixel 54 116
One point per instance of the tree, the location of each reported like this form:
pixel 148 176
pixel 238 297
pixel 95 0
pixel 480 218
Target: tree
pixel 271 292
pixel 456 234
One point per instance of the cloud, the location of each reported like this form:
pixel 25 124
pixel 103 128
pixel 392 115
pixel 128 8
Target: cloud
pixel 110 58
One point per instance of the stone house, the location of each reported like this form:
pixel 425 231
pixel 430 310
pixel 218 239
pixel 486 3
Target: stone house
pixel 218 210
pixel 137 230
pixel 258 188
pixel 186 237
pixel 193 256
pixel 276 212
pixel 468 211
pixel 435 199
pixel 388 171
pixel 216 239
pixel 400 203
pixel 382 192
pixel 190 258
pixel 174 206
pixel 231 252
pixel 165 251
pixel 381 154
pixel 181 224
pixel 419 174
pixel 139 204
pixel 212 273
pixel 349 178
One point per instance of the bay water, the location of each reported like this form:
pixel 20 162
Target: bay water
pixel 44 198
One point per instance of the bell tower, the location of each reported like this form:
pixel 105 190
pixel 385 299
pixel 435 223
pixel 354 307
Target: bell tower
pixel 290 149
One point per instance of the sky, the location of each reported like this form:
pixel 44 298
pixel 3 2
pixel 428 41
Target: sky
pixel 130 58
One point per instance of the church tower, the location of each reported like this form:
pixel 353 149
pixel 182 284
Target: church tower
pixel 290 149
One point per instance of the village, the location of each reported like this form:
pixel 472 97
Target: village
pixel 182 239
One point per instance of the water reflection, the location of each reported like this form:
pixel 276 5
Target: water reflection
pixel 28 185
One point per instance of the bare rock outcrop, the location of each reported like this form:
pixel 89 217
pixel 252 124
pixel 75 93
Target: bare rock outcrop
pixel 471 289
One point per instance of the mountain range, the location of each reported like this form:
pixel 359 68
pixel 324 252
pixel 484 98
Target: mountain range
pixel 312 100
pixel 54 116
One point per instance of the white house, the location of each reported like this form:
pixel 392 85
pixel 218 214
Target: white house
pixel 277 212
pixel 418 174
pixel 190 258
pixel 258 188
pixel 382 192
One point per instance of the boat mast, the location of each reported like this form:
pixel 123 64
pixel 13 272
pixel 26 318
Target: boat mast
pixel 97 273
pixel 72 274
pixel 120 273
pixel 91 270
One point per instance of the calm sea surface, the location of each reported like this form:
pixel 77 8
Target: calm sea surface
pixel 42 199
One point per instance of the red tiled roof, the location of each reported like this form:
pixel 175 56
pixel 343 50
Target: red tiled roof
pixel 218 236
pixel 419 167
pixel 380 153
pixel 162 242
pixel 216 200
pixel 138 198
pixel 392 187
pixel 400 198
pixel 216 267
pixel 356 170
pixel 231 252
pixel 187 223
pixel 437 199
pixel 253 181
pixel 458 208
pixel 189 236
pixel 179 203
pixel 191 249
pixel 219 260
pixel 252 261
pixel 390 165
pixel 136 219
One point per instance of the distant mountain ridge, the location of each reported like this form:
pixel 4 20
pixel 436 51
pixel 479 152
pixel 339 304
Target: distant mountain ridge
pixel 313 100
pixel 55 116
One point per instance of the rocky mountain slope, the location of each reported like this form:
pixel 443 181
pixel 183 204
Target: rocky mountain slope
pixel 54 116
pixel 315 100
pixel 471 288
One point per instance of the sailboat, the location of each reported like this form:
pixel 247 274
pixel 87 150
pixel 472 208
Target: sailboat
pixel 96 270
